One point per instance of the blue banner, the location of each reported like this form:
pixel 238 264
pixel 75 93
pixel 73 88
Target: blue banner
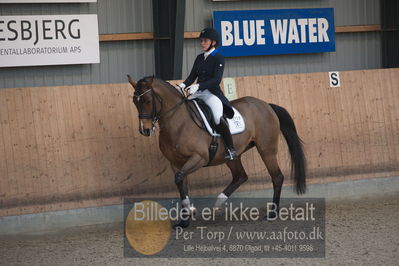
pixel 279 31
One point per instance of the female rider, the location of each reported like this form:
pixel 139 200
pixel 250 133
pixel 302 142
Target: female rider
pixel 208 70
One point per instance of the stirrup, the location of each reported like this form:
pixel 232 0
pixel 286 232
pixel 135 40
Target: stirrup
pixel 231 154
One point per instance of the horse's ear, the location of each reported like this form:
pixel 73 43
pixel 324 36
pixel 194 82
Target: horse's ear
pixel 131 81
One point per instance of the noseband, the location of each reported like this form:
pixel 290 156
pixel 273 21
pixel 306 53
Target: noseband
pixel 155 115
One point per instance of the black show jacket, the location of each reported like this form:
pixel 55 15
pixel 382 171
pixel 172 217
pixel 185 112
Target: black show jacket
pixel 209 73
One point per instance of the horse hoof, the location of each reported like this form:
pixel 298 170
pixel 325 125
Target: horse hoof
pixel 182 224
pixel 218 212
pixel 217 209
pixel 193 211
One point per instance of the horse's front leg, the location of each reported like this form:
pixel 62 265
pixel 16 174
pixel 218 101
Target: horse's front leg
pixel 193 164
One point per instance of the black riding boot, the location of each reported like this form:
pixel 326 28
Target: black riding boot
pixel 224 131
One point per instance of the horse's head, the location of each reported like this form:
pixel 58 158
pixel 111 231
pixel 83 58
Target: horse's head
pixel 147 104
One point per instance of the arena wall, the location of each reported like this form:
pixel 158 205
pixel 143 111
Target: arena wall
pixel 70 147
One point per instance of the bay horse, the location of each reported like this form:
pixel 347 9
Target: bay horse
pixel 186 146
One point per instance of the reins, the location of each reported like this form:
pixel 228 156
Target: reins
pixel 155 116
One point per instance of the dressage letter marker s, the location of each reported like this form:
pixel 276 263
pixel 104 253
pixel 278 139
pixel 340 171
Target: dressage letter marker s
pixel 334 79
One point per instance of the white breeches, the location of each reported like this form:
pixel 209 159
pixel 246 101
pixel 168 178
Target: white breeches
pixel 212 101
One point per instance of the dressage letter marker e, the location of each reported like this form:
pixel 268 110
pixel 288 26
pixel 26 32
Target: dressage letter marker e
pixel 334 79
pixel 230 91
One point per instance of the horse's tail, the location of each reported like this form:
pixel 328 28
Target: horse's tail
pixel 298 160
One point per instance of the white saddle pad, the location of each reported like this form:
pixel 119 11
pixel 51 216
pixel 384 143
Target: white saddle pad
pixel 236 124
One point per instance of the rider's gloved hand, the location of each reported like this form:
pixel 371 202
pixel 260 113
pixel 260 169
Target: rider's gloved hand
pixel 182 86
pixel 193 88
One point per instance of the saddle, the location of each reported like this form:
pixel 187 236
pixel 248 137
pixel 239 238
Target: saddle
pixel 207 111
pixel 236 124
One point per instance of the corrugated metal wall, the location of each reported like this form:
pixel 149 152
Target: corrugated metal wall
pixel 347 12
pixel 117 58
pixel 354 50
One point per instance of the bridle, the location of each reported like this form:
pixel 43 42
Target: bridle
pixel 155 115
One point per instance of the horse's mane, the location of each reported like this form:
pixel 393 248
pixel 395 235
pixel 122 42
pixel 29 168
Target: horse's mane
pixel 161 81
pixel 167 84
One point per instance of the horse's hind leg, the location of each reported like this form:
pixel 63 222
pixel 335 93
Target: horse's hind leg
pixel 239 177
pixel 272 166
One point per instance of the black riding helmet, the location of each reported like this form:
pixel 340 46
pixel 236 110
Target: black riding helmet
pixel 212 34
